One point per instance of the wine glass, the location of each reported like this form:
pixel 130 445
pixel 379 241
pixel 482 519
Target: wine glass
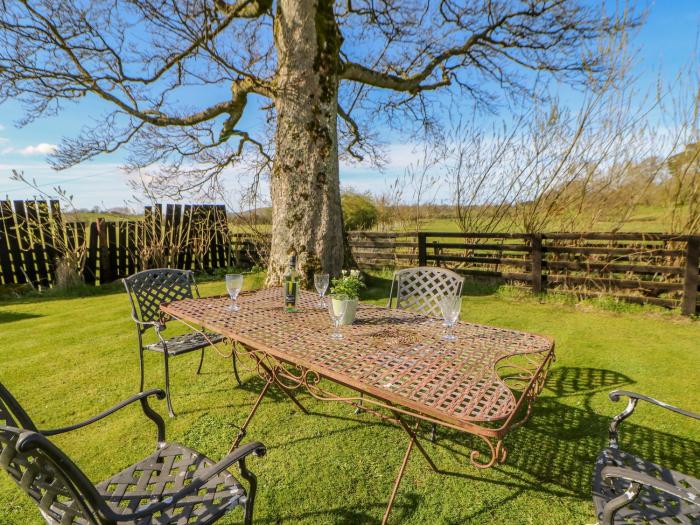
pixel 321 284
pixel 234 283
pixel 450 305
pixel 337 305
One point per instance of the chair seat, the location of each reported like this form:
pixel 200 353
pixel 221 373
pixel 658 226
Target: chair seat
pixel 161 475
pixel 651 506
pixel 184 343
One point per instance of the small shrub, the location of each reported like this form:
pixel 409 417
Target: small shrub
pixel 359 212
pixel 68 275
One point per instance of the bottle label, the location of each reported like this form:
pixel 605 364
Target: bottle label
pixel 290 294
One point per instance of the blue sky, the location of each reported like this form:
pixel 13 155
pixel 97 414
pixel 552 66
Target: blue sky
pixel 665 43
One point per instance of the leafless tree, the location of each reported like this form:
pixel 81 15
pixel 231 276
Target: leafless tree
pixel 324 72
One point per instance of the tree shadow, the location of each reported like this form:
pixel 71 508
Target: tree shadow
pixel 10 317
pixel 80 292
pixel 480 288
pixel 378 288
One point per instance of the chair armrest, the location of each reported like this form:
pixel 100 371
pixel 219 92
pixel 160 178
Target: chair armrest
pixel 147 324
pixel 141 396
pixel 615 396
pixel 237 455
pixel 631 405
pixel 691 495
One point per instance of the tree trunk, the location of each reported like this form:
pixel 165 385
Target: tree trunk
pixel 305 186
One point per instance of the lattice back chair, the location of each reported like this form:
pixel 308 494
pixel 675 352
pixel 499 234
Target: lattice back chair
pixel 420 289
pixel 147 290
pixel 175 485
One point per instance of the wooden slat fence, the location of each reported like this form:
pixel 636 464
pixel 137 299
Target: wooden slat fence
pixel 654 268
pixel 33 235
pixel 30 234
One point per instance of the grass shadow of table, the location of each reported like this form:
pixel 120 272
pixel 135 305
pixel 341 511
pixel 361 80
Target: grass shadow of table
pixel 559 443
pixel 370 514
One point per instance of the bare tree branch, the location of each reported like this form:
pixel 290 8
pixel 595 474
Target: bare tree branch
pixel 245 8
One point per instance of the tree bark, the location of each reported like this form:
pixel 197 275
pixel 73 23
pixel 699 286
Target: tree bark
pixel 305 186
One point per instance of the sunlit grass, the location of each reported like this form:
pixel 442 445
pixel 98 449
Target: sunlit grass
pixel 66 358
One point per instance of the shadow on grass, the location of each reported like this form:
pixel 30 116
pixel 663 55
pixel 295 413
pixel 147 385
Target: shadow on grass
pixel 559 443
pixel 379 285
pixel 401 511
pixel 9 317
pixel 53 294
pixel 570 381
pixel 476 288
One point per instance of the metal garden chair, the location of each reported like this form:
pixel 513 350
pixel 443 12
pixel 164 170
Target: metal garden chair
pixel 147 290
pixel 420 289
pixel 630 490
pixel 173 486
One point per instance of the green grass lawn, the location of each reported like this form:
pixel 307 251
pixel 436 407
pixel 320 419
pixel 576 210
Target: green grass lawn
pixel 642 219
pixel 68 358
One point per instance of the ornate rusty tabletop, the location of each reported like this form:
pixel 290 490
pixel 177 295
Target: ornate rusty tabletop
pixel 392 354
pixel 484 382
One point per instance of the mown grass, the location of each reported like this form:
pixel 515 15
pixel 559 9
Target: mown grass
pixel 66 358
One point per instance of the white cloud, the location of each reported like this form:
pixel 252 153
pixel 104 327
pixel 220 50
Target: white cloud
pixel 39 149
pixel 2 127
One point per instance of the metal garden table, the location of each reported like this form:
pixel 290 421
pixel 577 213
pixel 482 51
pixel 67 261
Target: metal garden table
pixel 394 361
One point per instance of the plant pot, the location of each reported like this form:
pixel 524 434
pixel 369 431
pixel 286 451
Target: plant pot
pixel 350 311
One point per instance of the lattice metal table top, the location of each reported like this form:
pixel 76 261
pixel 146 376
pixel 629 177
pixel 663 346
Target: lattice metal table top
pixel 395 355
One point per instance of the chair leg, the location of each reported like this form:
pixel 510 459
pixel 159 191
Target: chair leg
pixel 141 368
pixel 358 409
pixel 250 497
pixel 235 368
pixel 167 385
pixel 433 433
pixel 201 360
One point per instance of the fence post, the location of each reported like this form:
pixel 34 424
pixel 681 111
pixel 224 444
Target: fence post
pixel 691 278
pixel 422 249
pixel 105 266
pixel 536 266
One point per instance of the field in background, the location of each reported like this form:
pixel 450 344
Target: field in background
pixel 642 219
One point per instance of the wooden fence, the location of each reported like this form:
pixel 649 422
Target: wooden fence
pixel 653 268
pixel 33 235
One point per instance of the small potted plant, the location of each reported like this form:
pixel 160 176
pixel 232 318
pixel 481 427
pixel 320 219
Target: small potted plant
pixel 349 284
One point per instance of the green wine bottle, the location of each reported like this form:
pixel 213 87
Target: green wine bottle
pixel 291 286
